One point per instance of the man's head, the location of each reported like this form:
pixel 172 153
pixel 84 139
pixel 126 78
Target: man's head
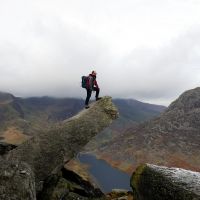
pixel 94 73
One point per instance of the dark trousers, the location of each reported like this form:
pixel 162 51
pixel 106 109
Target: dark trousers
pixel 89 93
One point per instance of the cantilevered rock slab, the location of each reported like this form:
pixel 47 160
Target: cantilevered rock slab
pixel 49 149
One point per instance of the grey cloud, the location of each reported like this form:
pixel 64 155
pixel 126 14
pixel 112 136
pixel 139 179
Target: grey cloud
pixel 160 74
pixel 59 59
pixel 46 53
pixel 50 60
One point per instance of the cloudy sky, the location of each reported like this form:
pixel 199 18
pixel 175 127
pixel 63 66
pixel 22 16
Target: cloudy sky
pixel 143 49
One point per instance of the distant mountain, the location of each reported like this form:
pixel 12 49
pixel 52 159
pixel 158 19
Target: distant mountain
pixel 5 98
pixel 172 139
pixel 131 112
pixel 21 118
pixel 136 110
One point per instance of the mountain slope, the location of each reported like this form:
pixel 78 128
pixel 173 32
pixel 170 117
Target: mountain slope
pixel 24 117
pixel 172 139
pixel 21 117
pixel 136 110
pixel 131 112
pixel 5 98
pixel 37 109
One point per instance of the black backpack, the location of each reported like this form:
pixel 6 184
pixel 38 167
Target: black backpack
pixel 84 81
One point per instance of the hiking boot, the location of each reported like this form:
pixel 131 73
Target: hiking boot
pixel 98 98
pixel 86 107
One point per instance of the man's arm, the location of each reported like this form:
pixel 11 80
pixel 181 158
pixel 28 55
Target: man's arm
pixel 95 83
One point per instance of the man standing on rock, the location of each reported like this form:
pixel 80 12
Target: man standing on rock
pixel 91 85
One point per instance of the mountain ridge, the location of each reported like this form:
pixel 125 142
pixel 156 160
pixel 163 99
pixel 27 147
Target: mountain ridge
pixel 171 139
pixel 22 117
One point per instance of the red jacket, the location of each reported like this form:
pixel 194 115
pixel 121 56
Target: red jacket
pixel 91 82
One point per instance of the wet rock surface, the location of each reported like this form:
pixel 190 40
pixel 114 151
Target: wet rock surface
pixel 150 182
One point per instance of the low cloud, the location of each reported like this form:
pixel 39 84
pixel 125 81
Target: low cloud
pixel 46 53
pixel 160 74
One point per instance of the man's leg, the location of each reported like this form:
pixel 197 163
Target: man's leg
pixel 89 92
pixel 97 93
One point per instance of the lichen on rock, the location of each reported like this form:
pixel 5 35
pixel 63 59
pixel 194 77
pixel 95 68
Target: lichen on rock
pixel 150 182
pixel 17 181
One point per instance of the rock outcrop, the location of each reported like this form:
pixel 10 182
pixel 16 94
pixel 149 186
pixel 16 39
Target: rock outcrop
pixel 119 194
pixel 49 149
pixel 17 181
pixel 65 184
pixel 150 182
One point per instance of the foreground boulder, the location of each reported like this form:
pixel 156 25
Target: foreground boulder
pixel 66 184
pixel 151 182
pixel 49 149
pixel 16 181
pixel 119 194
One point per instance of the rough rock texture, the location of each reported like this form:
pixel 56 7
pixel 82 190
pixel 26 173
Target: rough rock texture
pixel 62 185
pixel 44 152
pixel 151 182
pixel 16 181
pixel 119 194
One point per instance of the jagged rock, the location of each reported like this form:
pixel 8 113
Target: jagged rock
pixel 81 169
pixel 150 182
pixel 62 185
pixel 119 194
pixel 49 149
pixel 16 181
pixel 74 196
pixel 5 148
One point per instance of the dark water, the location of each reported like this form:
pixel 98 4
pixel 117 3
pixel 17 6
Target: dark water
pixel 107 177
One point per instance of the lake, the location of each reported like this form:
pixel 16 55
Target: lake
pixel 108 178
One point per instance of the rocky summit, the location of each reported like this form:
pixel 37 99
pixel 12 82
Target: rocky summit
pixel 172 139
pixel 46 153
